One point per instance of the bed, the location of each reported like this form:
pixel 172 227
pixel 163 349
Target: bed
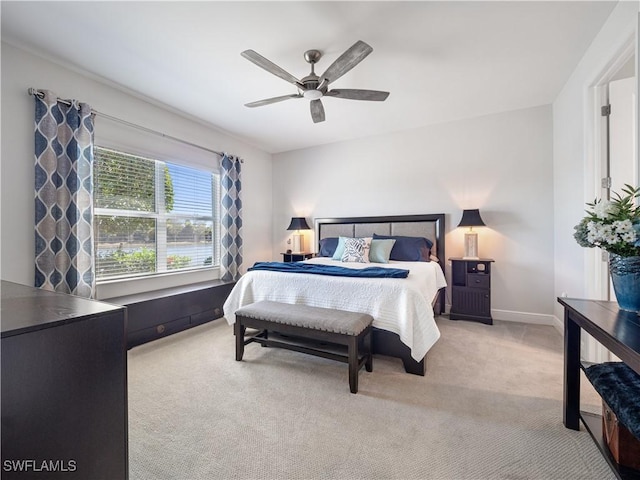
pixel 403 309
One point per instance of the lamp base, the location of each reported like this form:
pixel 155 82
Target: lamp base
pixel 298 243
pixel 471 246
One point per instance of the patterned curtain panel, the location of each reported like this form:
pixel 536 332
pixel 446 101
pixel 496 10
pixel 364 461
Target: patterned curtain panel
pixel 231 221
pixel 64 196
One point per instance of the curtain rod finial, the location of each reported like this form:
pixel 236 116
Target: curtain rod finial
pixel 35 92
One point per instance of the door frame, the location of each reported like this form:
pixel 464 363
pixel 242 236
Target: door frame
pixel 596 153
pixel 596 95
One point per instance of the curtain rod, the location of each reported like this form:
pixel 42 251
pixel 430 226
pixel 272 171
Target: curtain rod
pixel 39 94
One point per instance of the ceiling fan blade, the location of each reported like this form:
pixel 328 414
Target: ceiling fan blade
pixel 345 62
pixel 269 101
pixel 317 111
pixel 270 67
pixel 371 95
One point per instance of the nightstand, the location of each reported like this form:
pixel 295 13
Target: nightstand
pixel 296 257
pixel 471 289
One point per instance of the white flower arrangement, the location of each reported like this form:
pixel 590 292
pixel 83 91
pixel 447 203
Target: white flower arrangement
pixel 613 225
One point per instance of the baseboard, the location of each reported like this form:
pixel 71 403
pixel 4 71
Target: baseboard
pixel 559 324
pixel 523 317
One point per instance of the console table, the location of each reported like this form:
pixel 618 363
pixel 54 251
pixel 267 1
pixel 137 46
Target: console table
pixel 618 331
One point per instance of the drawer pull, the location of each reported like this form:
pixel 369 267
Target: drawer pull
pixel 160 329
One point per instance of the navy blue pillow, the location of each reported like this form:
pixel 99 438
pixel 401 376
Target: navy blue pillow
pixel 328 246
pixel 409 249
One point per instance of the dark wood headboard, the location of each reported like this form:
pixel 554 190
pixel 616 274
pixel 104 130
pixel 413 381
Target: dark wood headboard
pixel 430 226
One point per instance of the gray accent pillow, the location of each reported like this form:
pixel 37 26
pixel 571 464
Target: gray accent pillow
pixel 381 250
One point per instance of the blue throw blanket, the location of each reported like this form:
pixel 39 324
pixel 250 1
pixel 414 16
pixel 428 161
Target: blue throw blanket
pixel 332 270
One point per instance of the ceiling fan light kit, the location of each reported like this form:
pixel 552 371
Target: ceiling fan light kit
pixel 314 87
pixel 312 94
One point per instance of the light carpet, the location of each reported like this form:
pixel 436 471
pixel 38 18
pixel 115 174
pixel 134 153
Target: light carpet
pixel 490 407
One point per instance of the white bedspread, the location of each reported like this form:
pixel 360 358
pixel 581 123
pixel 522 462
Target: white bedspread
pixel 399 305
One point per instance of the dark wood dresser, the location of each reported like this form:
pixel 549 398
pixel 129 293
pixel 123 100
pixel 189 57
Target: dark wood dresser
pixel 64 386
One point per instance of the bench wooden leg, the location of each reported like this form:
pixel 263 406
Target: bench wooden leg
pixel 239 331
pixel 353 363
pixel 369 351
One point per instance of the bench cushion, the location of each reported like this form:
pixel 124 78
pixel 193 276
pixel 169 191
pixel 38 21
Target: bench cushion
pixel 316 318
pixel 619 387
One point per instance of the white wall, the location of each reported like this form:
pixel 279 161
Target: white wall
pixel 21 70
pixel 526 170
pixel 501 164
pixel 574 180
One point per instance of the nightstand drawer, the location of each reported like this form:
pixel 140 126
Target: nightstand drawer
pixel 478 280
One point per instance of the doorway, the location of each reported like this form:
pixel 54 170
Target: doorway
pixel 617 136
pixel 613 108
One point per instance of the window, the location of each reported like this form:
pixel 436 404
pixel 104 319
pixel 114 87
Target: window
pixel 151 216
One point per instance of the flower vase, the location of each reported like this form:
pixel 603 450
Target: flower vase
pixel 625 275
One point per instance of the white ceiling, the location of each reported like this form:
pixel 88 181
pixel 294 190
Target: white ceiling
pixel 441 61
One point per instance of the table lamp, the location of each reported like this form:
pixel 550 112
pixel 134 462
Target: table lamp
pixel 471 218
pixel 297 224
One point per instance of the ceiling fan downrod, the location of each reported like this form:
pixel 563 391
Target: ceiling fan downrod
pixel 311 82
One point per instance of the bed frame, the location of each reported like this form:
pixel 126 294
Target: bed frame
pixel 430 226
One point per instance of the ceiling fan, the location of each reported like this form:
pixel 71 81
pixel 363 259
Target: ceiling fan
pixel 314 87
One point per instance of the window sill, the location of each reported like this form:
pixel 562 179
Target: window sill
pixel 107 289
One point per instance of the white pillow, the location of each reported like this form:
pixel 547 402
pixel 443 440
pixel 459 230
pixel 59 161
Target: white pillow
pixel 356 250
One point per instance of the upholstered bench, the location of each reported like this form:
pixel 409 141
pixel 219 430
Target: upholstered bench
pixel 619 387
pixel 294 322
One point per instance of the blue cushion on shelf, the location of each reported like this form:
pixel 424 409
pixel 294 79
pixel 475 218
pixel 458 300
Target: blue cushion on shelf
pixel 619 387
pixel 328 246
pixel 409 249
